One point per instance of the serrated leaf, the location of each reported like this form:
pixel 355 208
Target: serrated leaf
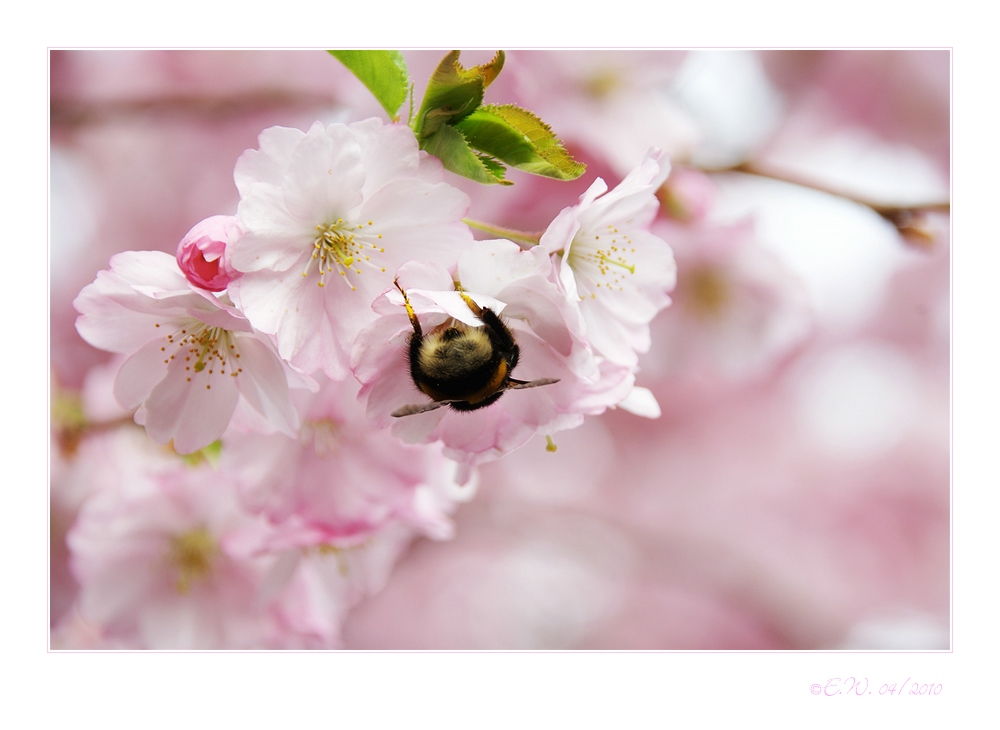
pixel 383 73
pixel 451 147
pixel 454 92
pixel 519 138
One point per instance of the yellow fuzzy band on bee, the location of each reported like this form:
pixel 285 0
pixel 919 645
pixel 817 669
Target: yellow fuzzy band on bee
pixel 442 358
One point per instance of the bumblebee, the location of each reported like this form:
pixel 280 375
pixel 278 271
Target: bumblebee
pixel 461 366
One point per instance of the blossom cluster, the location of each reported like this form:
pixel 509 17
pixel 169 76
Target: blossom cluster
pixel 278 338
pixel 717 414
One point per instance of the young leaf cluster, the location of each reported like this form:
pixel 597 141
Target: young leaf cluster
pixel 471 139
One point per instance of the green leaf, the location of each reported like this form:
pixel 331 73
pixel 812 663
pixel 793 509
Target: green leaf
pixel 454 92
pixel 519 138
pixel 383 72
pixel 451 147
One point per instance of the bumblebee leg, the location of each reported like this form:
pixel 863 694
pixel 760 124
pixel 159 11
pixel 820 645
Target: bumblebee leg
pixel 409 310
pixel 476 309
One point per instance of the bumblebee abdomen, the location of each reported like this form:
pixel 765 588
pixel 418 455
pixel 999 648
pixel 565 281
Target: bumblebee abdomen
pixel 460 364
pixel 453 353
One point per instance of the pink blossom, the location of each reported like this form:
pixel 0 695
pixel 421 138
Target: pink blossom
pixel 341 478
pixel 192 356
pixel 615 104
pixel 686 195
pixel 737 309
pixel 330 215
pixel 202 253
pixel 548 330
pixel 311 588
pixel 611 264
pixel 157 567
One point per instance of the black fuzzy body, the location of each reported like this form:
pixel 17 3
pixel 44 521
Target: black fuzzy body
pixel 457 364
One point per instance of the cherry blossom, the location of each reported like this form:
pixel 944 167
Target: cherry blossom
pixel 310 588
pixel 342 478
pixel 547 327
pixel 192 356
pixel 157 566
pixel 737 308
pixel 330 215
pixel 618 271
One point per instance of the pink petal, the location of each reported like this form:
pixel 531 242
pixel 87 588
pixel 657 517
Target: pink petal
pixel 191 413
pixel 388 151
pixel 140 373
pixel 325 175
pixel 269 164
pixel 264 385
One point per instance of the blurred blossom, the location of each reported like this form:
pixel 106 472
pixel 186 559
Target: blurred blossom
pixel 731 101
pixel 518 581
pixel 844 251
pixel 854 162
pixel 914 632
pixel 312 587
pixel 687 195
pixel 156 568
pixel 859 400
pixel 341 476
pixel 615 104
pixel 897 99
pixel 737 309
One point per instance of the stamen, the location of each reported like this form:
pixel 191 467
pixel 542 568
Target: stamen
pixel 338 248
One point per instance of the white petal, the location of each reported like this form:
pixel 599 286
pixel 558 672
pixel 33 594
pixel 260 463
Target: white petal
pixel 641 402
pixel 489 266
pixel 535 301
pixel 140 374
pixel 274 238
pixel 325 176
pixel 153 269
pixel 191 413
pixel 264 385
pixel 417 221
pixel 270 163
pixel 388 152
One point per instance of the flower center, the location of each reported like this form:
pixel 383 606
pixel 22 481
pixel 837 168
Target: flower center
pixel 192 553
pixel 203 346
pixel 323 434
pixel 601 83
pixel 342 248
pixel 708 291
pixel 605 261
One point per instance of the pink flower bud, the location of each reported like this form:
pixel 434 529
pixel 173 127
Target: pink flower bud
pixel 201 254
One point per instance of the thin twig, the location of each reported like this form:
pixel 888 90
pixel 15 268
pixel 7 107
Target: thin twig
pixel 893 213
pixel 526 239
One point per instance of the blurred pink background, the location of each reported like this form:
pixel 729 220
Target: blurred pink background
pixel 795 493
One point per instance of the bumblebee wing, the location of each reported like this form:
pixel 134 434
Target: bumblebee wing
pixel 419 408
pixel 522 384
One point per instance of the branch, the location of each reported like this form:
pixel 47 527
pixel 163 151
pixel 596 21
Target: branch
pixel 525 239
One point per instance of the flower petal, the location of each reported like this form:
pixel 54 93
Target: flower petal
pixel 264 385
pixel 139 375
pixel 325 176
pixel 193 413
